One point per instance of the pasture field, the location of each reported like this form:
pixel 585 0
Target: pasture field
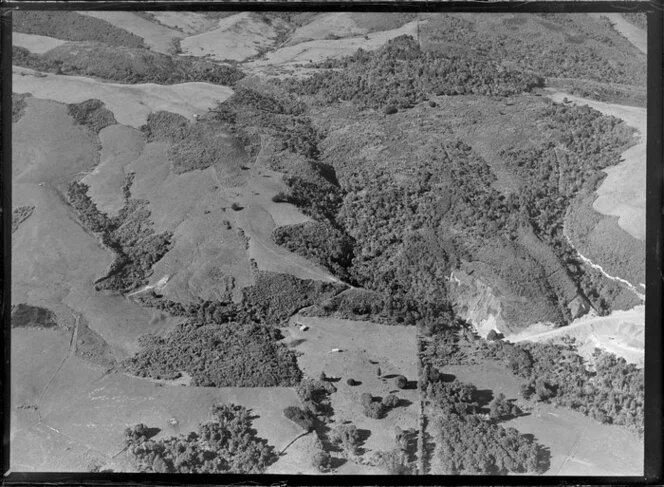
pixel 364 347
pixel 237 38
pixel 320 49
pixel 373 168
pixel 131 104
pixel 35 43
pixel 120 145
pixel 157 37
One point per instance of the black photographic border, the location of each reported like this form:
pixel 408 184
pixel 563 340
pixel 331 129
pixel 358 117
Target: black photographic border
pixel 654 346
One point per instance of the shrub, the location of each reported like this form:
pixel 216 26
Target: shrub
pixel 390 110
pixel 321 460
pixel 351 382
pixel 280 197
pixel 347 436
pixel 401 382
pixel 136 434
pixel 236 207
pixel 375 410
pixel 390 401
pixel 229 354
pixel 366 399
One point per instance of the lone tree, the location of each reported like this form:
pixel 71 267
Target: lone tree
pixel 401 382
pixel 346 436
pixel 321 460
pixel 351 382
pixel 302 417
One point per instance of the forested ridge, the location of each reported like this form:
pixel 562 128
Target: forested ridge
pixel 400 228
pixel 400 74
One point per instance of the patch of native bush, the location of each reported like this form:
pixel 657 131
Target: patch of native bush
pixel 27 316
pixel 72 26
pixel 276 297
pixel 194 145
pixel 226 354
pixel 92 114
pixel 226 444
pixel 129 235
pixel 400 75
pixel 319 242
pixel 125 64
pixel 20 214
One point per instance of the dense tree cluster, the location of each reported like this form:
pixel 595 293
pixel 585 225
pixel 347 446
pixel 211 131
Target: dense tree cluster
pixel 314 395
pixel 568 48
pixel 72 26
pixel 581 142
pixel 218 355
pixel 227 444
pixel 611 392
pixel 92 114
pixel 379 307
pixel 195 145
pixel 276 297
pixel 469 444
pixel 129 235
pixel 250 113
pixel 125 64
pixel 319 242
pixel 400 74
pixel 501 408
pixel 271 300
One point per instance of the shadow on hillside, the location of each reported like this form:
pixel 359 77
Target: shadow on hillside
pixel 296 342
pixel 151 432
pixel 483 397
pixel 336 462
pixel 403 403
pixel 362 436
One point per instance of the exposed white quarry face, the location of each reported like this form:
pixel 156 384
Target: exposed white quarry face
pixel 475 302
